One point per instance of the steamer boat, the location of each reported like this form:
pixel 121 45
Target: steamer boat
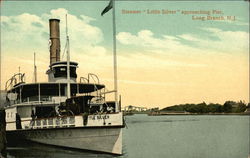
pixel 62 111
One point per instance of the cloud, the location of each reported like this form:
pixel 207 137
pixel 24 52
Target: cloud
pixel 145 38
pixel 189 37
pixel 32 32
pixel 227 41
pixel 17 31
pixel 185 51
pixel 87 19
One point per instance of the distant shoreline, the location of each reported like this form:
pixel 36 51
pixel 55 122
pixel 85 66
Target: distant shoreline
pixel 169 113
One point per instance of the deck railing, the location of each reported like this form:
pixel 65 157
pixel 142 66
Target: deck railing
pixel 53 122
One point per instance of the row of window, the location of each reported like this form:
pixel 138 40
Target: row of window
pixel 9 114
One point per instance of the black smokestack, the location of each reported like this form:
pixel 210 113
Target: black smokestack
pixel 55 40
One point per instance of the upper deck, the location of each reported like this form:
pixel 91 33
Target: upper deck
pixel 48 92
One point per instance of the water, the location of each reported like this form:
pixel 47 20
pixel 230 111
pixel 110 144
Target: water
pixel 166 137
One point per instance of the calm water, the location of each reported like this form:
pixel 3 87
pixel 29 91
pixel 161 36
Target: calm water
pixel 166 137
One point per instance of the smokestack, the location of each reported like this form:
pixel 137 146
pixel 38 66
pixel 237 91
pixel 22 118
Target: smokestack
pixel 55 40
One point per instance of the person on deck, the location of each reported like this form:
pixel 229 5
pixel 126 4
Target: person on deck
pixel 33 116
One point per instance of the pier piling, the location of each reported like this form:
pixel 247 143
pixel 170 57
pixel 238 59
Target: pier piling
pixel 3 140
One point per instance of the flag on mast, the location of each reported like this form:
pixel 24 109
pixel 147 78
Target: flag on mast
pixel 109 6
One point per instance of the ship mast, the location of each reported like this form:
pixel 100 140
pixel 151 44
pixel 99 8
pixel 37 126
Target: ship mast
pixel 68 60
pixel 115 59
pixel 19 73
pixel 35 69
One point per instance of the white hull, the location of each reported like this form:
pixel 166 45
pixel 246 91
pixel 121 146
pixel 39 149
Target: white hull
pixel 101 132
pixel 102 139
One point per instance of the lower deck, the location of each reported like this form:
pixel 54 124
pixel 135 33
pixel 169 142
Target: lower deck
pixel 83 120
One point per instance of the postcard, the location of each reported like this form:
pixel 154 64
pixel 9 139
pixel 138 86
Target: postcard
pixel 125 78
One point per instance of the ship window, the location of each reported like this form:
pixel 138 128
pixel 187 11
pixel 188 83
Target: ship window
pixel 62 72
pixel 62 69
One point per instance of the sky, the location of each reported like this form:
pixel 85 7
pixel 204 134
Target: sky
pixel 169 52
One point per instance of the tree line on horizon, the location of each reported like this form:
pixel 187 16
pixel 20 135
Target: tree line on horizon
pixel 227 107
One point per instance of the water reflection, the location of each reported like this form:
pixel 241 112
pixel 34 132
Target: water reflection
pixel 31 150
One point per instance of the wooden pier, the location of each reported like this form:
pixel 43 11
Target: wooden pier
pixel 3 141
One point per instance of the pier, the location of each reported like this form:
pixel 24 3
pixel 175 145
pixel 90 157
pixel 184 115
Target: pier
pixel 3 140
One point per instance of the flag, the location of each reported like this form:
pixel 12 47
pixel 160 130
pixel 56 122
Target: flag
pixel 110 6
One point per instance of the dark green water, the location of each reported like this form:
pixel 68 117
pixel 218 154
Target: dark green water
pixel 166 137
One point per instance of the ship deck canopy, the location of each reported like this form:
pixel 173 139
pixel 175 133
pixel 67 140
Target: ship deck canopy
pixel 50 89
